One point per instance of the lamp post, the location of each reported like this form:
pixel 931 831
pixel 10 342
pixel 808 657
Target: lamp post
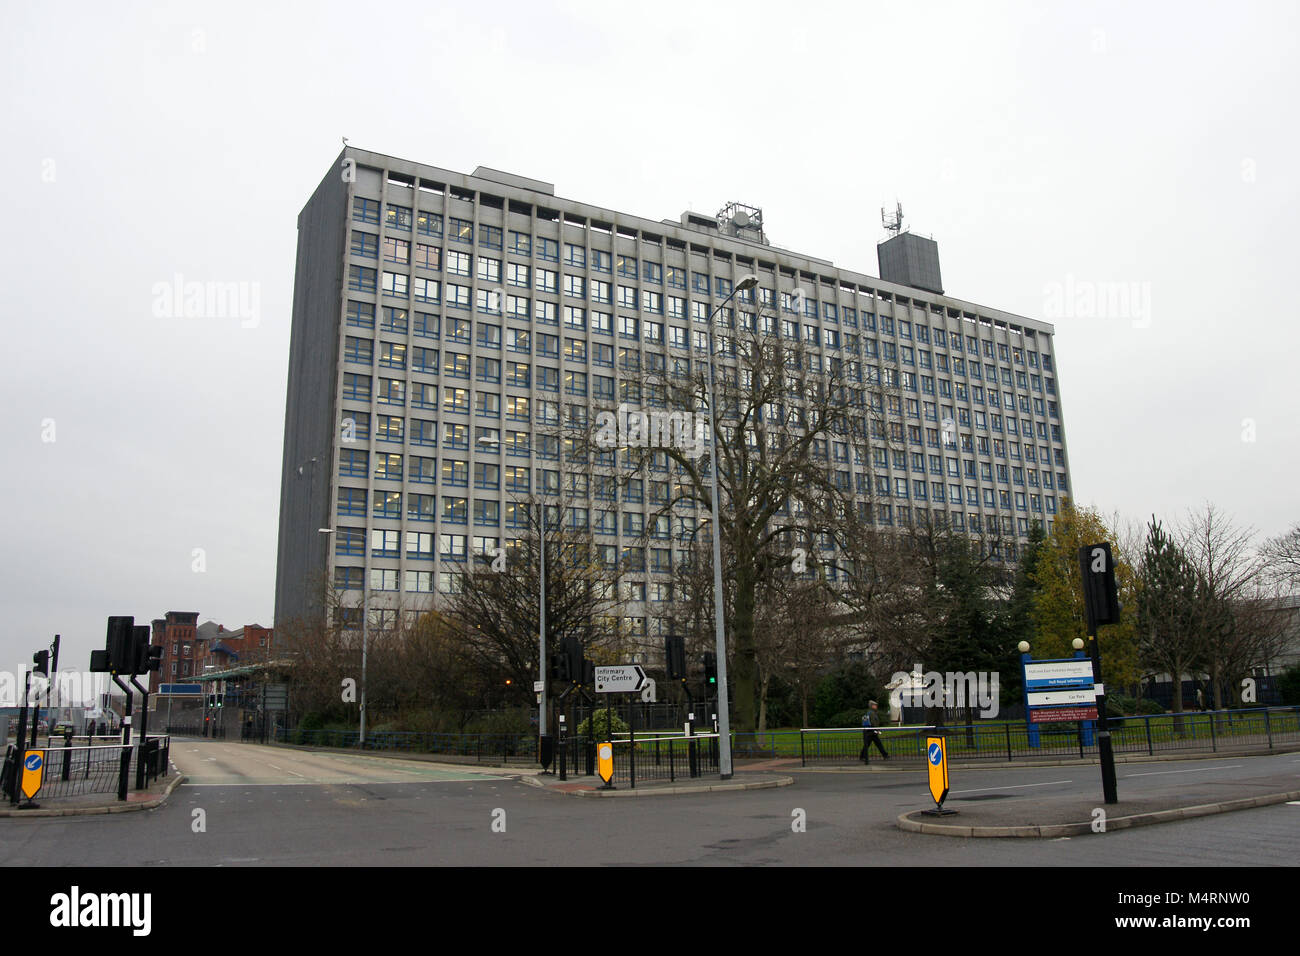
pixel 489 442
pixel 719 634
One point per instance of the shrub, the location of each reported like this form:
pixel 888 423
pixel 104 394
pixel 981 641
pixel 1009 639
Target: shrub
pixel 605 728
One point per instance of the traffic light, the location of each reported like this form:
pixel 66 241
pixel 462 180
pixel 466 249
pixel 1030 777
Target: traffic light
pixel 41 663
pixel 588 673
pixel 212 701
pixel 558 666
pixel 153 658
pixel 675 656
pixel 140 649
pixel 711 669
pixel 1100 598
pixel 571 647
pixel 118 644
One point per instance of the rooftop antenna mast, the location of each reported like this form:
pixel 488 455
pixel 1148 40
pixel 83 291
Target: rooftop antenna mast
pixel 893 221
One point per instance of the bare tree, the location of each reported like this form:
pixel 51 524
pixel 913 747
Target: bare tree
pixel 496 604
pixel 782 413
pixel 1282 557
pixel 1232 585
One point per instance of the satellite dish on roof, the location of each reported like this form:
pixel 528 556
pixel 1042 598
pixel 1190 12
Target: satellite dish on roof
pixel 741 219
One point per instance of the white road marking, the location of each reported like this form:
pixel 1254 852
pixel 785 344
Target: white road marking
pixel 1016 786
pixel 1157 773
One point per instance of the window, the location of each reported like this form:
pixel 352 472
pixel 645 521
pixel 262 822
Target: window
pixel 575 256
pixel 455 510
pixel 545 280
pixel 397 250
pixel 460 230
pixel 398 217
pixel 392 391
pixel 518 375
pixel 575 286
pixel 548 249
pixel 428 223
pixel 362 279
pixel 517 406
pixel 521 243
pixel 365 210
pixel 489 270
pixel 365 245
pixel 455 399
pixel 489 236
pixel 384 544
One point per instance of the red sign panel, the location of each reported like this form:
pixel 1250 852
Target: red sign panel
pixel 1052 715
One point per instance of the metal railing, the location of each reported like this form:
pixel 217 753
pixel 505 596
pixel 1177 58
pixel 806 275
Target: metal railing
pixel 1193 732
pixel 75 771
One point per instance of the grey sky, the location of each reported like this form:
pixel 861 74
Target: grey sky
pixel 1145 156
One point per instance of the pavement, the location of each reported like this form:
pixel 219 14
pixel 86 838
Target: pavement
pixel 90 803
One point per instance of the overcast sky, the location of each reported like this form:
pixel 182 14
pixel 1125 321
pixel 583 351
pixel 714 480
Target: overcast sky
pixel 1128 172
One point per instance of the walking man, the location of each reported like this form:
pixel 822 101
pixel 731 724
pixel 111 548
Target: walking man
pixel 870 720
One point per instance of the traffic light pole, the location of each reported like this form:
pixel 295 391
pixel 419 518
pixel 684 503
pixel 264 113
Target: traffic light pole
pixel 144 733
pixel 1104 750
pixel 1101 606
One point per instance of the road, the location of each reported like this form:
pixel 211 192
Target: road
pixel 268 806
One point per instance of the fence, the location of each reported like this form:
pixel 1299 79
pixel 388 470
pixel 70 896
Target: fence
pixel 1193 732
pixel 75 771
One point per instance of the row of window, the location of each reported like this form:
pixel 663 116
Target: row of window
pixel 457 548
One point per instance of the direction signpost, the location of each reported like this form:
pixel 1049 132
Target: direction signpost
pixel 620 679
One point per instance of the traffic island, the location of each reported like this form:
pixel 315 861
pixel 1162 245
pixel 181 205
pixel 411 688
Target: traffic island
pixel 1053 819
pixel 590 786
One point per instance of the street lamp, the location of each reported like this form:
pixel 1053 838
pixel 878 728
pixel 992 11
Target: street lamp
pixel 487 441
pixel 719 635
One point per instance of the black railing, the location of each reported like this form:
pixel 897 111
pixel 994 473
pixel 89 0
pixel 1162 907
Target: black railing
pixel 75 771
pixel 1191 732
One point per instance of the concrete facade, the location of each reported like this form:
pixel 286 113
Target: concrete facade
pixel 434 308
